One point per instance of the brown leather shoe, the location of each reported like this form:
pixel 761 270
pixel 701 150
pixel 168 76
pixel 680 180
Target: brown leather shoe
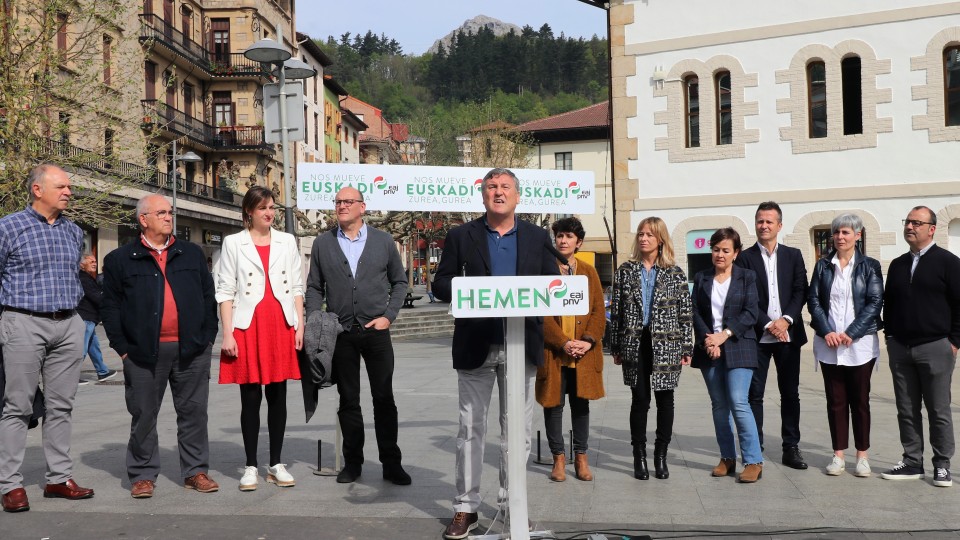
pixel 559 472
pixel 751 473
pixel 202 483
pixel 727 467
pixel 582 467
pixel 67 490
pixel 142 489
pixel 461 525
pixel 16 501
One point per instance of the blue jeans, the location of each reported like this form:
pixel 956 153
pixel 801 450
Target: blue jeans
pixel 728 390
pixel 91 346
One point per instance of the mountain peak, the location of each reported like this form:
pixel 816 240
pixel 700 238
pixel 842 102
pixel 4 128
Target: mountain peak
pixel 473 26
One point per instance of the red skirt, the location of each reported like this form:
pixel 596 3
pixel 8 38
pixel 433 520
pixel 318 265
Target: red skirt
pixel 266 350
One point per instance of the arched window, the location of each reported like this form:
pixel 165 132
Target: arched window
pixel 721 82
pixel 951 85
pixel 817 99
pixel 691 89
pixel 852 95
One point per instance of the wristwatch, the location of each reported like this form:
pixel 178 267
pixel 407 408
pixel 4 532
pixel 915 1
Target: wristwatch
pixel 728 332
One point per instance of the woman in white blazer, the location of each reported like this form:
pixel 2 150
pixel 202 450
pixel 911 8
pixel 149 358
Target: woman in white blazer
pixel 260 291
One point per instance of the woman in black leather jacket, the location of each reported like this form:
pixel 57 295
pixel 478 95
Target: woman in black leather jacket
pixel 844 300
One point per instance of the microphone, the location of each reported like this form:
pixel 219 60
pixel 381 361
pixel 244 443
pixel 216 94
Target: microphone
pixel 563 260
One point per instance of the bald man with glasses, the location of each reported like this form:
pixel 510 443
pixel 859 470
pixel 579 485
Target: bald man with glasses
pixel 357 271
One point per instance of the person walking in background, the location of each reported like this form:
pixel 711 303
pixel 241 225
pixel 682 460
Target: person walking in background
pixel 260 291
pixel 782 293
pixel 497 243
pixel 651 337
pixel 89 310
pixel 356 272
pixel 572 359
pixel 39 291
pixel 845 298
pixel 724 314
pixel 921 316
pixel 160 315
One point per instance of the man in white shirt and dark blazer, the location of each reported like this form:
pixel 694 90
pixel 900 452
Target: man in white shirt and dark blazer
pixel 782 290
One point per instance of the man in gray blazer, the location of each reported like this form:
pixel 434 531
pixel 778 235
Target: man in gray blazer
pixel 357 271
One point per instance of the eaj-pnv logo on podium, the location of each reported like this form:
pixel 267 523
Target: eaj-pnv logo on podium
pixel 519 296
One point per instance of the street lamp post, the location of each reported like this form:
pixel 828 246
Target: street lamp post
pixel 268 51
pixel 189 157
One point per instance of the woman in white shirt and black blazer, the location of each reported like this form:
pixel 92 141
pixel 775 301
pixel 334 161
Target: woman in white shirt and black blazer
pixel 260 291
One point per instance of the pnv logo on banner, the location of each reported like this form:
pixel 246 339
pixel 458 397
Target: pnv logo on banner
pixel 519 296
pixel 441 189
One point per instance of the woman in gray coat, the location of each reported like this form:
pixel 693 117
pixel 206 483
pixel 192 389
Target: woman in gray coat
pixel 651 337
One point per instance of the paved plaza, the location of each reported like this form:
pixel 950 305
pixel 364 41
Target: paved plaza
pixel 786 503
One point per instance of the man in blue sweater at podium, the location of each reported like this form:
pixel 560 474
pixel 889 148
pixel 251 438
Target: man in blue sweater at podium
pixel 495 244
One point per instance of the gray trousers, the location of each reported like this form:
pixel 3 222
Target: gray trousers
pixel 922 376
pixel 34 346
pixel 146 383
pixel 475 389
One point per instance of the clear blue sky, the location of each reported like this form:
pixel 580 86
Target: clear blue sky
pixel 416 24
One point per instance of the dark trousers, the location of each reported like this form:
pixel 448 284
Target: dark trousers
pixel 787 358
pixel 640 402
pixel 145 384
pixel 922 375
pixel 375 348
pixel 579 416
pixel 848 396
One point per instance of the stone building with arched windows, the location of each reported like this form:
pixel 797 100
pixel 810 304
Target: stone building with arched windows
pixel 824 106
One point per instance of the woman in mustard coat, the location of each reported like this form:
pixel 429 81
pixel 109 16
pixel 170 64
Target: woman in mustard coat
pixel 572 360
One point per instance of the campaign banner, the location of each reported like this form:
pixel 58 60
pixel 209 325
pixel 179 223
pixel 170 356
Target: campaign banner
pixel 519 296
pixel 440 189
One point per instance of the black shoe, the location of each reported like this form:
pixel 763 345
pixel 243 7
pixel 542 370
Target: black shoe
pixel 349 474
pixel 111 373
pixel 942 478
pixel 793 458
pixel 640 471
pixel 395 474
pixel 902 471
pixel 660 462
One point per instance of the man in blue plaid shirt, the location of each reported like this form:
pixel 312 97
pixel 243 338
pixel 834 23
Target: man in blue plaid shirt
pixel 40 333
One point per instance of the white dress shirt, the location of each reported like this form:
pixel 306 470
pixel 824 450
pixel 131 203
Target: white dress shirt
pixel 842 315
pixel 773 288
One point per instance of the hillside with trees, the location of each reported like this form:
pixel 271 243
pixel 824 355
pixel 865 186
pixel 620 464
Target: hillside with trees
pixel 516 77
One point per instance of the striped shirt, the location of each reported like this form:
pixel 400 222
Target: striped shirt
pixel 39 262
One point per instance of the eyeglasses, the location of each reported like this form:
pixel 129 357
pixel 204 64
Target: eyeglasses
pixel 916 223
pixel 162 214
pixel 346 202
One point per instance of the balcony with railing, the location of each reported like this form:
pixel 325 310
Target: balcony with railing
pixel 75 157
pixel 241 138
pixel 167 118
pixel 153 27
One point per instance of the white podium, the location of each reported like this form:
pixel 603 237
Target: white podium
pixel 513 298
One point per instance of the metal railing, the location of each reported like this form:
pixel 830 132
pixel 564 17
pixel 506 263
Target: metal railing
pixel 240 137
pixel 218 65
pixel 154 27
pixel 200 190
pixel 233 64
pixel 174 120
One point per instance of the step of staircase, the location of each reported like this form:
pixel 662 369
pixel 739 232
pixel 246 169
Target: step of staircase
pixel 425 323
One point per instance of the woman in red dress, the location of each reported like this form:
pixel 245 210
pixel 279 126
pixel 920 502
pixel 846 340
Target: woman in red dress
pixel 260 291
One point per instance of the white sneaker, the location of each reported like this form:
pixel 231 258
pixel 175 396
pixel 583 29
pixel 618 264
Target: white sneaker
pixel 248 482
pixel 278 475
pixel 863 468
pixel 836 466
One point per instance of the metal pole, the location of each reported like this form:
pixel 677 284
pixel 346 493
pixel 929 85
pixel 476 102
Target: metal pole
pixel 285 142
pixel 174 176
pixel 516 430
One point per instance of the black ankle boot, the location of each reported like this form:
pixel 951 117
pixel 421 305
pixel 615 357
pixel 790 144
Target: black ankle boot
pixel 640 471
pixel 660 461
